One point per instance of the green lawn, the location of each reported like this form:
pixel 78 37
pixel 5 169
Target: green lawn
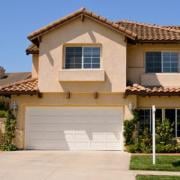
pixel 163 163
pixel 149 177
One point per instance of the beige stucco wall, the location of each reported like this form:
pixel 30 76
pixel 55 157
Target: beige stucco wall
pixel 35 65
pixel 88 32
pixel 59 99
pixel 159 102
pixel 74 75
pixel 136 65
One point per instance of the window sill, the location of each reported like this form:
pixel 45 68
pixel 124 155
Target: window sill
pixel 81 75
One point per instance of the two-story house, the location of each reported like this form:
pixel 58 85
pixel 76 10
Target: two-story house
pixel 88 74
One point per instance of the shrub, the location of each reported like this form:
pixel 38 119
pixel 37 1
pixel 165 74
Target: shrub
pixel 142 143
pixel 4 105
pixel 130 129
pixel 176 163
pixel 145 141
pixel 3 114
pixel 134 148
pixel 9 135
pixel 164 131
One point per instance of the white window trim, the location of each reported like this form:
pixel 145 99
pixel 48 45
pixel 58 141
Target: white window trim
pixel 82 46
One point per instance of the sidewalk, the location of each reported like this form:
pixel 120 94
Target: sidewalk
pixel 169 173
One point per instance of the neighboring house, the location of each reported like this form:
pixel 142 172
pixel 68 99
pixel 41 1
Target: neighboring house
pixel 14 77
pixel 88 74
pixel 10 78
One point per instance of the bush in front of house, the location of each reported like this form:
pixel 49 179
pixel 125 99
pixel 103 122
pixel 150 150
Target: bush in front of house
pixel 130 129
pixel 176 163
pixel 142 142
pixel 3 113
pixel 9 135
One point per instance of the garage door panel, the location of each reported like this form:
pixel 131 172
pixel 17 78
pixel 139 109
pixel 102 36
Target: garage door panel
pixel 74 128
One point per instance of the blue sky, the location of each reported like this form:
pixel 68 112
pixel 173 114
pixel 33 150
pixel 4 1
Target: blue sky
pixel 20 17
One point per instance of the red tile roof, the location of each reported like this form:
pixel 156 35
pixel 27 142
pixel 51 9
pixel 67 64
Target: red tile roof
pixel 137 89
pixel 10 78
pixel 29 86
pixel 173 27
pixel 32 49
pixel 81 14
pixel 152 32
pixel 137 32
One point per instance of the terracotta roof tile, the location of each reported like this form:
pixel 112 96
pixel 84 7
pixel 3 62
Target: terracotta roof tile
pixel 29 86
pixel 136 31
pixel 76 14
pixel 177 28
pixel 152 32
pixel 32 49
pixel 137 89
pixel 9 78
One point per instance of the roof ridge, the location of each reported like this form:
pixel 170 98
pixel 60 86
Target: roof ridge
pixel 83 11
pixel 18 82
pixel 59 19
pixel 148 25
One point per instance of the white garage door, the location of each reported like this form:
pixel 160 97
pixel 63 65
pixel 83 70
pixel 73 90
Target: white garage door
pixel 69 128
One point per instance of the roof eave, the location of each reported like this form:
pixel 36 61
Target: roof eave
pixel 158 41
pixel 7 93
pixel 143 93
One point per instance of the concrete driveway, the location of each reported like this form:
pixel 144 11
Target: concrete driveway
pixel 61 165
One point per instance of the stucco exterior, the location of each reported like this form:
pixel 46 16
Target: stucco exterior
pixel 59 99
pixel 76 33
pixel 136 65
pixel 160 102
pixel 35 65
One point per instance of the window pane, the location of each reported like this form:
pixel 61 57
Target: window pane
pixel 87 52
pixel 95 65
pixel 170 62
pixel 95 60
pixel 153 62
pixel 144 119
pixel 87 60
pixel 91 57
pixel 87 65
pixel 73 57
pixel 158 115
pixel 178 123
pixel 96 52
pixel 170 115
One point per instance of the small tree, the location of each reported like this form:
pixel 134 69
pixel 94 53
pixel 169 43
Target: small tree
pixel 9 135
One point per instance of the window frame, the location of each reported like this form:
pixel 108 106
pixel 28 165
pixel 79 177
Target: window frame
pixel 161 51
pixel 82 46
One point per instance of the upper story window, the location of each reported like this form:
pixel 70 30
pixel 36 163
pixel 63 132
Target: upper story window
pixel 82 57
pixel 159 62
